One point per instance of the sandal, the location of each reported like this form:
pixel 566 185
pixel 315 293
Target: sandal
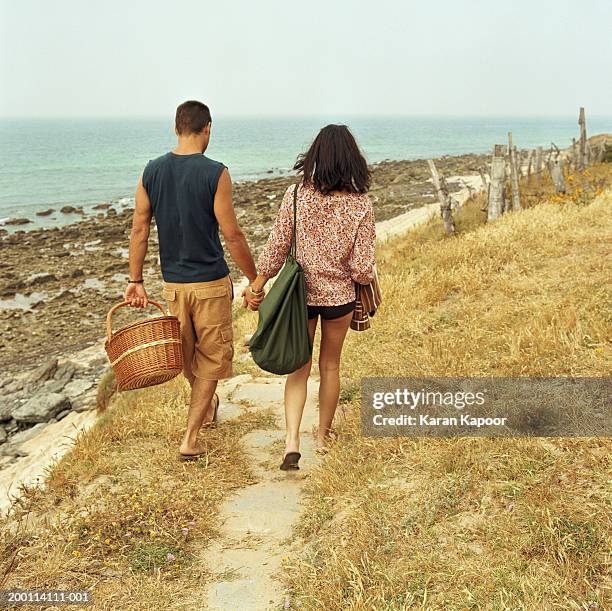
pixel 290 462
pixel 191 457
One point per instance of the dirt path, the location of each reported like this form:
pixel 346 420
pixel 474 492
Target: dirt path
pixel 257 521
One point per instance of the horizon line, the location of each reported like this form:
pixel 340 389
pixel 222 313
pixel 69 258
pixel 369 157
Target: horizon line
pixel 317 115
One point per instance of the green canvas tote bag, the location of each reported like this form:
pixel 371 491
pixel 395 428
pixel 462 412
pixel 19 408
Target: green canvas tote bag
pixel 281 343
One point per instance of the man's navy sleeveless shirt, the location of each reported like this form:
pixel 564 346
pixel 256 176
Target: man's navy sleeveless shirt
pixel 182 189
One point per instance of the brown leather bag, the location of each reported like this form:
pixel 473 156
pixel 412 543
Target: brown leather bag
pixel 367 301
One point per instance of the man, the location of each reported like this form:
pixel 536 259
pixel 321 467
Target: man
pixel 190 197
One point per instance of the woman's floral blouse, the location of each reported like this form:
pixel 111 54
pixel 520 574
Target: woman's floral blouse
pixel 336 237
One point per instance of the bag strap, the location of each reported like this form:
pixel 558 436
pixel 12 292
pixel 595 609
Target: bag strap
pixel 293 250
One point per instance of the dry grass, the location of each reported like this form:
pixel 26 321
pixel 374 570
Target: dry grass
pixel 473 523
pixel 117 506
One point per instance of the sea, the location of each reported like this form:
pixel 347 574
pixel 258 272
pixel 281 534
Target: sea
pixel 51 163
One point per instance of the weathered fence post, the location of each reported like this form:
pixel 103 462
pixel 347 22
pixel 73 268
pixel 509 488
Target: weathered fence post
pixel 485 187
pixel 538 164
pixel 514 179
pixel 498 183
pixel 519 161
pixel 529 163
pixel 574 155
pixel 556 170
pixel 583 154
pixel 443 198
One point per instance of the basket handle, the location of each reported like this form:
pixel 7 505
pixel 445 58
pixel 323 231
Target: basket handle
pixel 123 304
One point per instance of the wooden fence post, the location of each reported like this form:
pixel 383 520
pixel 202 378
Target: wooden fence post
pixel 556 170
pixel 538 164
pixel 529 164
pixel 583 158
pixel 443 198
pixel 498 183
pixel 514 179
pixel 574 155
pixel 485 187
pixel 518 153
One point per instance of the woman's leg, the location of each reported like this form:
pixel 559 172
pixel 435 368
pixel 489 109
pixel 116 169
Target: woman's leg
pixel 295 398
pixel 333 333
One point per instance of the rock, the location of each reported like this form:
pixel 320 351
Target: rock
pixel 14 286
pixel 13 387
pixel 53 386
pixel 11 447
pixel 5 461
pixel 41 278
pixel 42 407
pixel 111 212
pixel 6 409
pixel 77 387
pixel 17 221
pixel 102 206
pixel 77 273
pixel 68 210
pixel 8 449
pixel 62 414
pixel 65 372
pixel 11 427
pixel 230 411
pixel 45 212
pixel 85 402
pixel 43 372
pixel 3 435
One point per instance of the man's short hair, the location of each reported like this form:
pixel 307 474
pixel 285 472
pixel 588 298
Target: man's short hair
pixel 192 117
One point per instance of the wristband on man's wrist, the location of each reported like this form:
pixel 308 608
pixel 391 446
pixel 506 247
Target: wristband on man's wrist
pixel 141 281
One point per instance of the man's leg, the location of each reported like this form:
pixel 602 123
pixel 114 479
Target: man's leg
pixel 200 411
pixel 210 309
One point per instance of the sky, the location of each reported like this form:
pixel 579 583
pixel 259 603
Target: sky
pixel 242 57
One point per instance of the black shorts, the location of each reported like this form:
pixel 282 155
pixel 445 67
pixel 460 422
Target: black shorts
pixel 330 312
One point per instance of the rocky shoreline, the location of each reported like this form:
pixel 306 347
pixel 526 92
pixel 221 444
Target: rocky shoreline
pixel 58 284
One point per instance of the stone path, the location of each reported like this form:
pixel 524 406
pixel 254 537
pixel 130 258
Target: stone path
pixel 258 519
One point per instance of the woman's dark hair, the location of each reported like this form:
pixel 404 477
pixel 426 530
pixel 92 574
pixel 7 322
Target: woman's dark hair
pixel 334 162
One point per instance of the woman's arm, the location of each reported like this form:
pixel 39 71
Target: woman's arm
pixel 362 260
pixel 278 245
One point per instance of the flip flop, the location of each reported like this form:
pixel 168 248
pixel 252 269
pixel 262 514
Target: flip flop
pixel 191 457
pixel 216 409
pixel 290 462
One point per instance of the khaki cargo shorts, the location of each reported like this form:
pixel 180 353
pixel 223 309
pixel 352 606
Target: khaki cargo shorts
pixel 204 310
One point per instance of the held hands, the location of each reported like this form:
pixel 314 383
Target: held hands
pixel 252 300
pixel 136 295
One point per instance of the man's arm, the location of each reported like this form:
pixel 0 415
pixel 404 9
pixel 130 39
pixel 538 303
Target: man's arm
pixel 234 238
pixel 135 292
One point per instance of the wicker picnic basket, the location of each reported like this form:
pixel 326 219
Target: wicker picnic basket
pixel 146 352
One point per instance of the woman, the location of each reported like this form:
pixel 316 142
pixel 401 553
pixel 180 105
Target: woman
pixel 335 246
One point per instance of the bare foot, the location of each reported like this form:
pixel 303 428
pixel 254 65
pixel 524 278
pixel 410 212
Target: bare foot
pixel 324 443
